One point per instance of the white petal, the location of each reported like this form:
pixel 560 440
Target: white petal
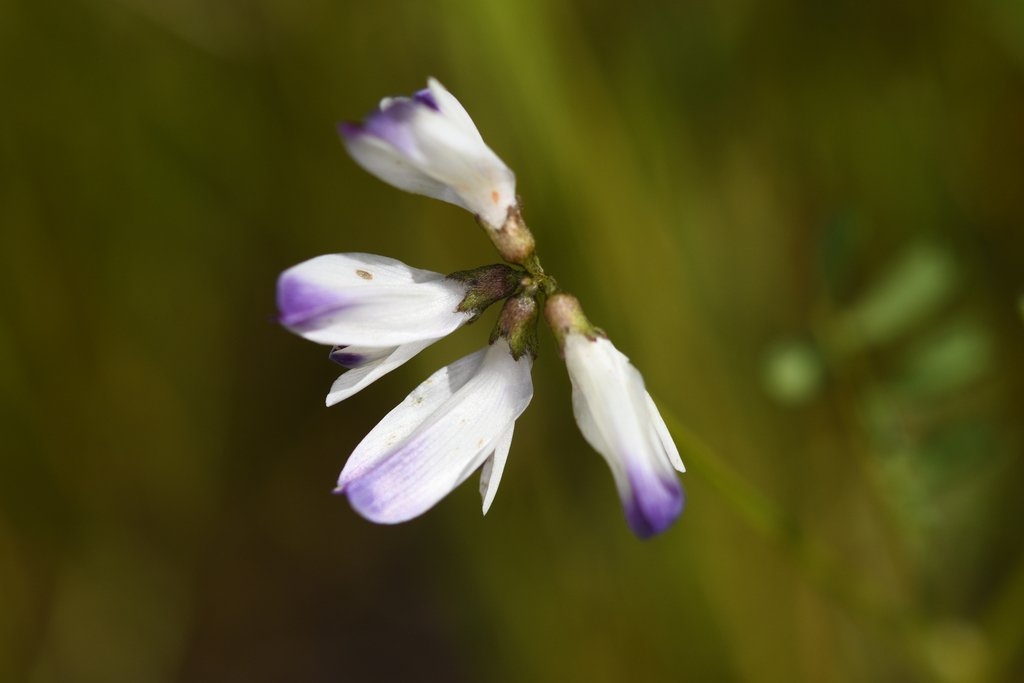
pixel 663 435
pixel 356 379
pixel 409 414
pixel 392 316
pixel 355 269
pixel 613 389
pixel 494 466
pixel 447 446
pixel 386 163
pixel 482 182
pixel 617 417
pixel 367 300
pixel 452 109
pixel 588 425
pixel 434 152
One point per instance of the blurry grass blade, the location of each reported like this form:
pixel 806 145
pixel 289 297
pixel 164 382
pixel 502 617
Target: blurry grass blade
pixel 949 359
pixel 915 286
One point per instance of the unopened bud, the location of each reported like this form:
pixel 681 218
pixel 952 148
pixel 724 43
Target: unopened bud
pixel 518 325
pixel 486 285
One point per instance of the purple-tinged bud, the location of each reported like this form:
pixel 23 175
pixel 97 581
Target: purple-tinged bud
pixel 518 324
pixel 376 311
pixel 429 145
pixel 619 420
pixel 486 285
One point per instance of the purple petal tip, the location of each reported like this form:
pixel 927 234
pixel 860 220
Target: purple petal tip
pixel 426 97
pixel 300 302
pixel 346 359
pixel 653 505
pixel 349 130
pixel 365 501
pixel 391 125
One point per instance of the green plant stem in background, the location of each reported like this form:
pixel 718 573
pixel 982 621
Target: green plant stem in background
pixel 1004 626
pixel 812 558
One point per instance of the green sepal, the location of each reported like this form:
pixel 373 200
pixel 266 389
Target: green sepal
pixel 485 286
pixel 565 316
pixel 518 325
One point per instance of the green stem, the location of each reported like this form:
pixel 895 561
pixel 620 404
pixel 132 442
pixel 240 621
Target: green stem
pixel 533 266
pixel 544 281
pixel 814 560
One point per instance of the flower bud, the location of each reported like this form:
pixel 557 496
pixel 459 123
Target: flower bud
pixel 486 285
pixel 518 324
pixel 619 420
pixel 429 145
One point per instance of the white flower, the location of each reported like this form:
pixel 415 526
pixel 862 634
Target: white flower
pixel 379 312
pixel 428 144
pixel 459 419
pixel 619 420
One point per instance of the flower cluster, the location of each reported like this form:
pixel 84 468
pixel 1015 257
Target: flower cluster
pixel 377 313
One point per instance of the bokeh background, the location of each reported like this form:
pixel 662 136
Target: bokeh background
pixel 801 220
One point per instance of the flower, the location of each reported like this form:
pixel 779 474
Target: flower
pixel 378 312
pixel 428 144
pixel 619 420
pixel 459 419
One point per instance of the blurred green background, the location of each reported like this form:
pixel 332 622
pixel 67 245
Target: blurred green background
pixel 802 221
